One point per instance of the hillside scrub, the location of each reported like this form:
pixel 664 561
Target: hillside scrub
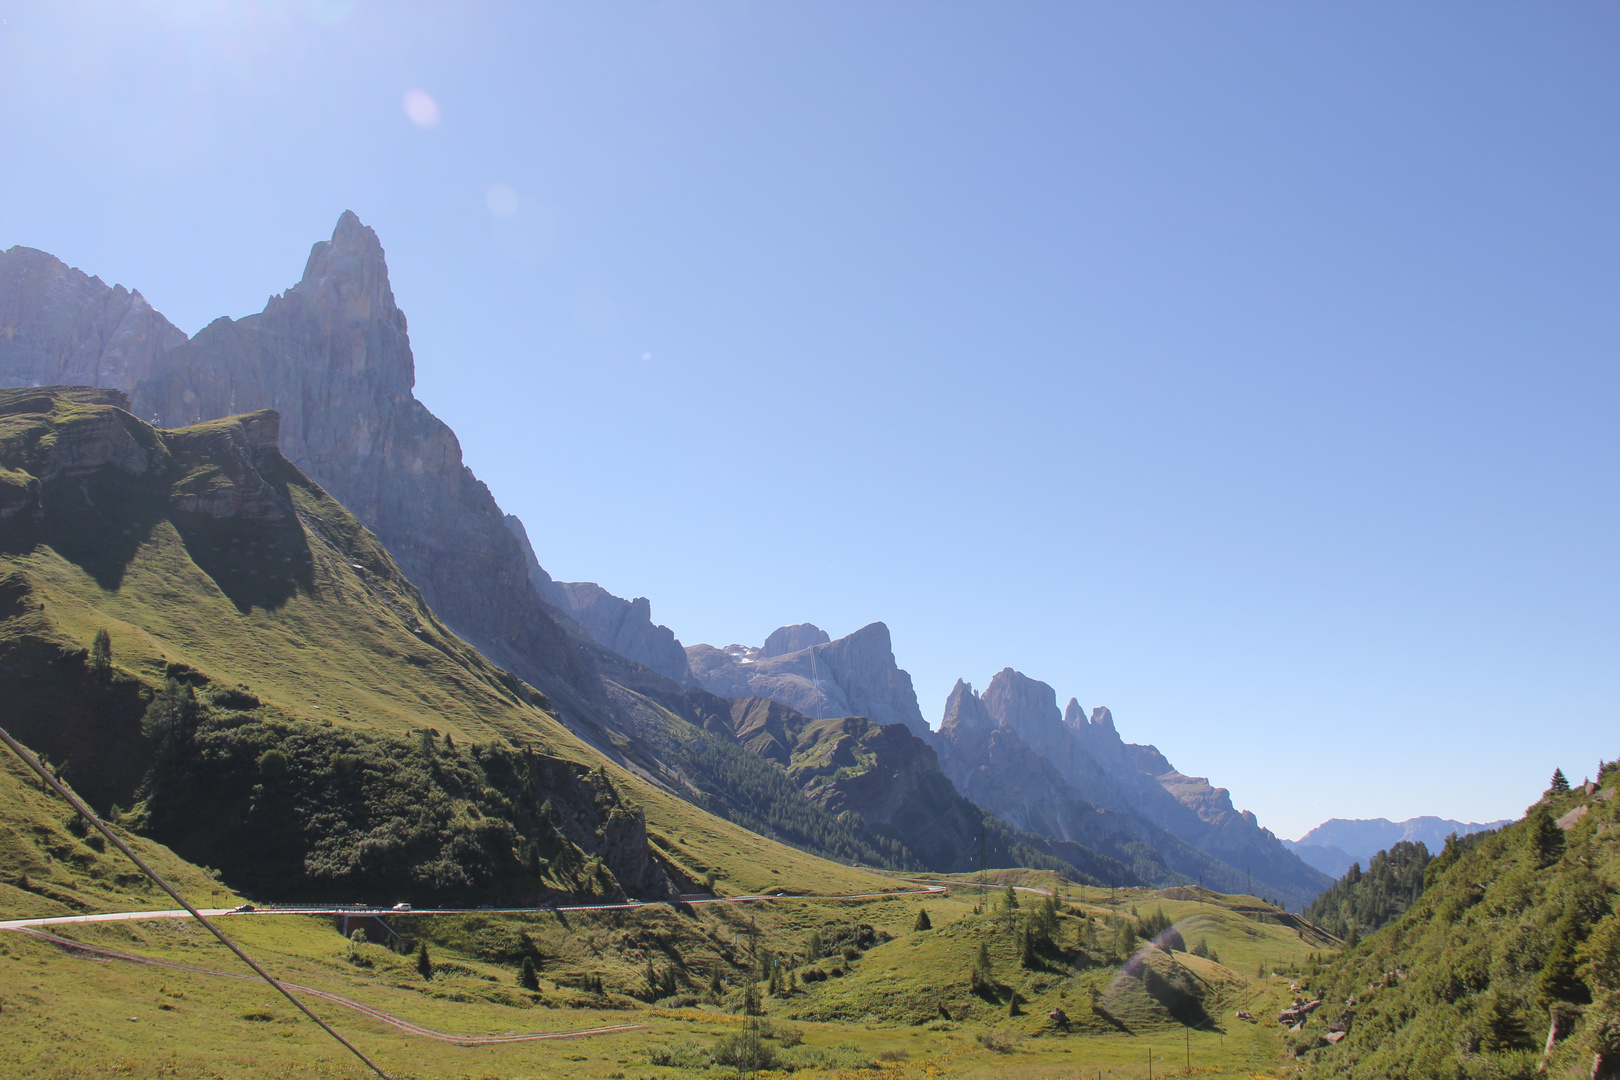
pixel 1366 900
pixel 298 809
pixel 1513 939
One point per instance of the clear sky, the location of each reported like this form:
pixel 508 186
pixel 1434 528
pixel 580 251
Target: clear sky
pixel 1250 369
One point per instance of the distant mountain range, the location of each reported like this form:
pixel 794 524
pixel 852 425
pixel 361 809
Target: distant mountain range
pixel 331 356
pixel 1333 845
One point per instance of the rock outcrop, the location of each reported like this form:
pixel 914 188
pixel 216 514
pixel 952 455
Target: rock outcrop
pixel 853 676
pixel 332 356
pixel 61 327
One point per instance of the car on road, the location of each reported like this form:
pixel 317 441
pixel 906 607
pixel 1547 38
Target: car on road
pixel 241 909
pixel 401 907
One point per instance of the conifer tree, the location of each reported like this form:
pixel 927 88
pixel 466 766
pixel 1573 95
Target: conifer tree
pixel 922 922
pixel 527 977
pixel 715 984
pixel 812 947
pixel 424 964
pixel 1125 940
pixel 100 655
pixel 1009 899
pixel 1545 837
pixel 1560 784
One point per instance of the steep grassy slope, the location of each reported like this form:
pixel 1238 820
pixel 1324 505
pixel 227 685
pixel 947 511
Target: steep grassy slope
pixel 52 865
pixel 213 563
pixel 1515 937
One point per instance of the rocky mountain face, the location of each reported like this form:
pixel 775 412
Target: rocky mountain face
pixel 1068 776
pixel 61 327
pixel 853 676
pixel 884 779
pixel 332 356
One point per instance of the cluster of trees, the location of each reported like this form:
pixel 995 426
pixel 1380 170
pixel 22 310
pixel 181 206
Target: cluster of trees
pixel 1362 901
pixel 295 809
pixel 1515 934
pixel 755 794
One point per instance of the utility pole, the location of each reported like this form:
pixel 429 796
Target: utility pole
pixel 1150 1063
pixel 1188 1034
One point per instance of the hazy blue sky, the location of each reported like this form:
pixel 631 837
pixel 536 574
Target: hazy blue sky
pixel 1250 369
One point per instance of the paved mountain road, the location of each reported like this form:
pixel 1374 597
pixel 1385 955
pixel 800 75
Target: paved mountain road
pixel 335 909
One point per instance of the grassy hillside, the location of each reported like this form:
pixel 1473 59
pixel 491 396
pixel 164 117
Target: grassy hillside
pixel 52 865
pixel 1515 937
pixel 213 564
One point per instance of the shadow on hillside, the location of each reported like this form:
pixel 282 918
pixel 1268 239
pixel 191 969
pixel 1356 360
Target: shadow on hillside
pixel 1101 1012
pixel 255 563
pixel 1178 1001
pixel 97 523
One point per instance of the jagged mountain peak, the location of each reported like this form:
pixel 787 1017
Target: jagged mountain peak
pixel 1074 714
pixel 965 714
pixel 790 639
pixel 1020 702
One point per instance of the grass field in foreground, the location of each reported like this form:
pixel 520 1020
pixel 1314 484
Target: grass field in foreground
pixel 68 1017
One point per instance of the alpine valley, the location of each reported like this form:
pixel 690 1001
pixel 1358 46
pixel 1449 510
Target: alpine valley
pixel 258 613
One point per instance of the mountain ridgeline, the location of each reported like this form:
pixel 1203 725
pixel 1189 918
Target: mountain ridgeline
pixel 1333 845
pixel 322 379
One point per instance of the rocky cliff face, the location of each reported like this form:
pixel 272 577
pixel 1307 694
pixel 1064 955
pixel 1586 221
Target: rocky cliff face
pixel 332 356
pixel 626 627
pixel 622 626
pixel 1013 753
pixel 790 639
pixel 61 327
pixel 853 676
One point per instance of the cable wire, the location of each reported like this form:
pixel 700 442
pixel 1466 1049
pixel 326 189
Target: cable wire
pixel 90 816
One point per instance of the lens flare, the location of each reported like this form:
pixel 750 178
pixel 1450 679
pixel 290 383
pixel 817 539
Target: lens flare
pixel 422 109
pixel 501 199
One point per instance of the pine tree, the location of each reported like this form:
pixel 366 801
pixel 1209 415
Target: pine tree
pixel 922 922
pixel 1546 838
pixel 424 965
pixel 983 977
pixel 1009 899
pixel 101 655
pixel 1560 784
pixel 812 947
pixel 527 977
pixel 1125 940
